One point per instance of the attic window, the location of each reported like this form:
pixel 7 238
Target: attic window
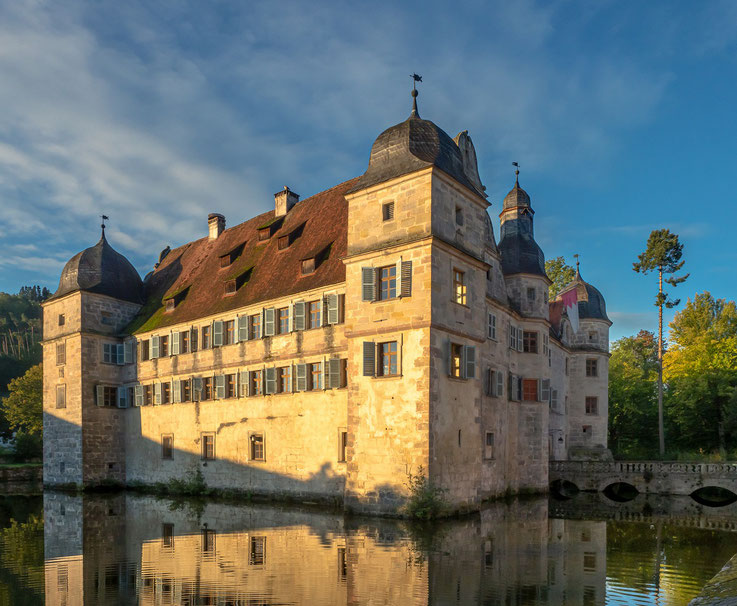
pixel 264 234
pixel 308 266
pixel 171 302
pixel 232 285
pixel 288 240
pixel 268 229
pixel 387 211
pixel 284 242
pixel 229 257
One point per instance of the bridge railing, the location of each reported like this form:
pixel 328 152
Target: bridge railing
pixel 638 467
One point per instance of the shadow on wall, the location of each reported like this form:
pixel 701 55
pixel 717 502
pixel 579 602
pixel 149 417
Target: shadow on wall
pixel 181 470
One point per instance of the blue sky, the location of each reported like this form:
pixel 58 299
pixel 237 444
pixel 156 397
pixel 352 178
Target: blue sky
pixel 621 114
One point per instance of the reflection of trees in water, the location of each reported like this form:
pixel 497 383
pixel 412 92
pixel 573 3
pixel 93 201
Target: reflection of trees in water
pixel 22 562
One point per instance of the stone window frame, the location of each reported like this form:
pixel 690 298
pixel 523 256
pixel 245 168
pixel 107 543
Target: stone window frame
pixel 592 367
pixel 167 449
pixel 228 332
pixel 206 333
pixel 231 385
pixel 61 353
pixel 313 315
pixel 106 395
pixel 281 320
pixel 460 289
pixel 491 327
pixel 387 211
pixel 591 405
pixel 387 359
pixel 257 446
pixel 62 319
pixel 208 453
pixel 256 382
pixel 387 283
pixel 489 446
pixel 315 378
pixel 61 390
pixel 530 342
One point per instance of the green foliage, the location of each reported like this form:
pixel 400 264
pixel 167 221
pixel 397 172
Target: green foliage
pixel 27 446
pixel 20 326
pixel 193 484
pixel 663 253
pixel 23 407
pixel 633 396
pixel 426 499
pixel 560 273
pixel 22 555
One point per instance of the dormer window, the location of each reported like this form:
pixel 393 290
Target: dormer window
pixel 308 266
pixel 269 228
pixel 233 284
pixel 287 240
pixel 171 302
pixel 264 234
pixel 229 257
pixel 283 242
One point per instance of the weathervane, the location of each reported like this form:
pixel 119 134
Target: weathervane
pixel 577 262
pixel 104 218
pixel 415 79
pixel 516 172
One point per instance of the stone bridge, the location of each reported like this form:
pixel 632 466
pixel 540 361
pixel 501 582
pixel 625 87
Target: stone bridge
pixel 654 477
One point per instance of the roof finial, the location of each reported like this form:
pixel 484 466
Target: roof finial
pixel 516 173
pixel 578 275
pixel 415 79
pixel 104 218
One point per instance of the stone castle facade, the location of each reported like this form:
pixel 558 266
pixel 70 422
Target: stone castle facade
pixel 330 347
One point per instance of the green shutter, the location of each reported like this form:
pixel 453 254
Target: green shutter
pixel 369 359
pixel 128 352
pixel 99 395
pixel 301 372
pixel 406 279
pixel 175 338
pixel 220 387
pixel 244 384
pixel 368 275
pixel 470 359
pixel 332 306
pixel 299 315
pixel 334 373
pixel 269 322
pixel 196 388
pixel 217 333
pixel 122 397
pixel 270 380
pixel 155 346
pixel 157 393
pixel 138 395
pixel 243 328
pixel 176 391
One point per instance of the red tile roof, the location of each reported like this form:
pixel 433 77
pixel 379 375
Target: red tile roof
pixel 274 273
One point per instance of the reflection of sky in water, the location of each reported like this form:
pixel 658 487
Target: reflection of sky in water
pixel 126 549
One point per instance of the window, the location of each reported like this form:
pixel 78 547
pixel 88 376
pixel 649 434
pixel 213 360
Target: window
pixel 592 405
pixel 459 287
pixel 107 396
pixel 554 399
pixel 586 429
pixel 589 561
pixel 489 445
pixel 456 360
pixel 387 282
pixel 208 446
pixel 184 342
pixel 110 353
pixel 207 388
pixel 566 366
pixel 314 317
pixel 495 383
pixel 169 305
pixel 387 366
pixel 256 383
pixel 148 395
pixel 256 447
pixel 529 342
pixel 342 445
pixel 229 332
pixel 592 367
pixel 315 376
pixel 254 326
pixel 106 317
pixel 282 379
pixel 387 211
pixel 62 319
pixel 145 350
pixel 206 337
pixel 531 295
pixel 257 551
pixel 230 386
pixel 167 447
pixel 163 346
pixel 186 390
pixel 308 266
pixel 529 390
pixel 516 338
pixel 61 353
pixel 61 396
pixel 592 335
pixel 459 215
pixel 208 540
pixel 167 536
pixel 282 315
pixel 491 327
pixel 166 393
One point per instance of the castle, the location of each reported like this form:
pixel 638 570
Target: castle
pixel 330 347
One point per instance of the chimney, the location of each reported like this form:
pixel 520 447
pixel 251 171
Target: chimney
pixel 216 223
pixel 284 201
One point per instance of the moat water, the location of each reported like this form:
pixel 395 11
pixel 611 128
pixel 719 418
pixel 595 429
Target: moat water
pixel 60 549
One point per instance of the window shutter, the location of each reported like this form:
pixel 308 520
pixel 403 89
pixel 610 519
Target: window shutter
pixel 554 399
pixel 128 347
pixel 298 310
pixel 193 339
pixel 138 389
pixel 470 356
pixel 449 358
pixel 518 385
pixel 301 373
pixel 220 387
pixel 176 391
pixel 368 275
pixel 334 373
pixel 197 388
pixel 100 395
pixel 406 278
pixel 243 328
pixel 157 393
pixel 369 359
pixel 545 390
pixel 512 337
pixel 499 384
pixel 155 346
pixel 119 354
pixel 270 383
pixel 243 384
pixel 122 397
pixel 332 305
pixel 175 336
pixel 269 322
pixel 488 382
pixel 217 333
pixel 321 376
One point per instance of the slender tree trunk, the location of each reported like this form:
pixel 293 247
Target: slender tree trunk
pixel 661 431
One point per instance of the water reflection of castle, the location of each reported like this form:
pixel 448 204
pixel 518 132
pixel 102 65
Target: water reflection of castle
pixel 137 550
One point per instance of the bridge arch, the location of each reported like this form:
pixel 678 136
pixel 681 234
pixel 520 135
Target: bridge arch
pixel 714 496
pixel 620 491
pixel 563 489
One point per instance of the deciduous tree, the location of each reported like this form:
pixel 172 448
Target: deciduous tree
pixel 560 273
pixel 23 407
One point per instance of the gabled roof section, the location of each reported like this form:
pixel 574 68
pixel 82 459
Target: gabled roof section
pixel 274 273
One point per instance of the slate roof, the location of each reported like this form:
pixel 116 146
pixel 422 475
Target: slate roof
pixel 410 146
pixel 193 270
pixel 521 254
pixel 595 307
pixel 101 269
